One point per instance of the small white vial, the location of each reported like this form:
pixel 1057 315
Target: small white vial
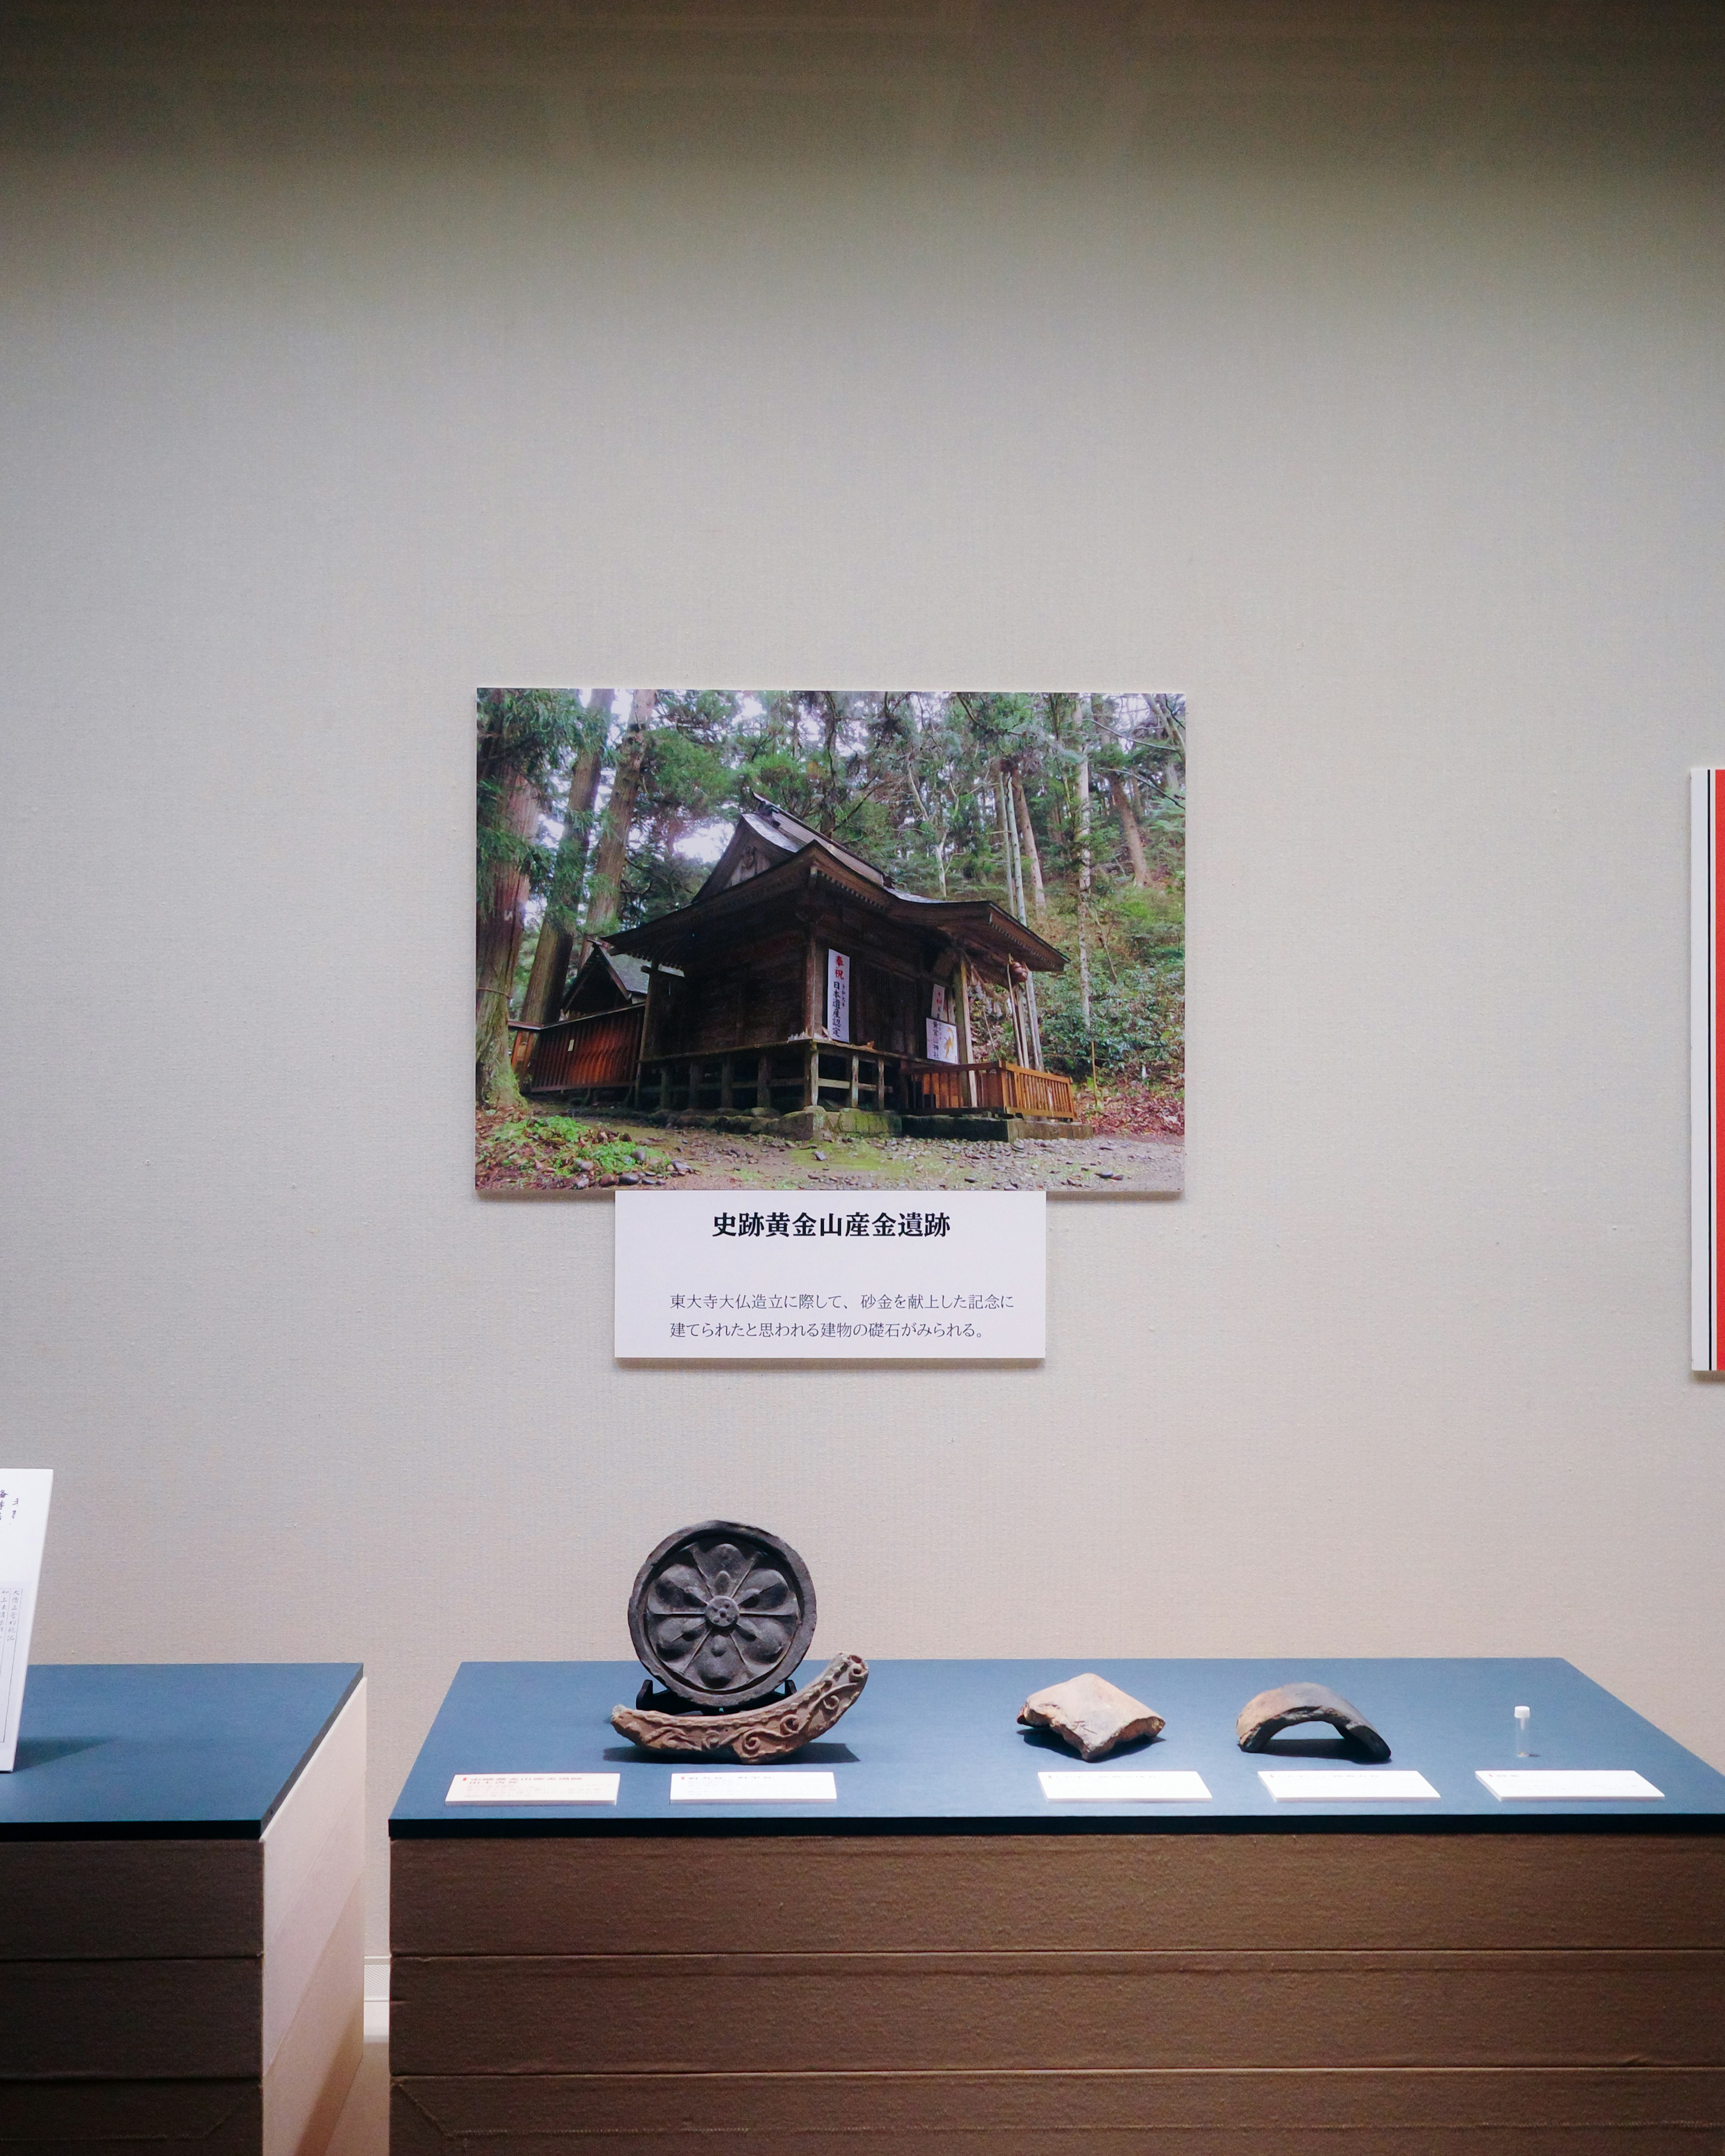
pixel 1523 1714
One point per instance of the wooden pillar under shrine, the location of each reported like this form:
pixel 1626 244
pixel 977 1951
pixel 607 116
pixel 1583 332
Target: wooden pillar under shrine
pixel 812 1014
pixel 961 988
pixel 645 1047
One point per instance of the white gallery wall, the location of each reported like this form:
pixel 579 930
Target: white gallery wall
pixel 1357 370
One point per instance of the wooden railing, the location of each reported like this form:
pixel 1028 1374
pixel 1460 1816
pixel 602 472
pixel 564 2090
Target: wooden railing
pixel 1001 1089
pixel 601 1051
pixel 604 1051
pixel 771 1074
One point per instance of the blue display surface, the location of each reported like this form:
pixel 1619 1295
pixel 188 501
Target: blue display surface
pixel 205 1748
pixel 935 1746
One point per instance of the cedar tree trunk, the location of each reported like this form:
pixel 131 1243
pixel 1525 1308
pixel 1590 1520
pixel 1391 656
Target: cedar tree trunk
pixel 543 1001
pixel 1120 793
pixel 1009 841
pixel 606 894
pixel 1084 887
pixel 500 921
pixel 1027 840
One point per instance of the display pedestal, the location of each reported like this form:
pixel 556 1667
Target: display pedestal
pixel 943 1958
pixel 182 1909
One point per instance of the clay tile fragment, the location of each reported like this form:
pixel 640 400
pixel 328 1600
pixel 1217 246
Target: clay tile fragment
pixel 1090 1714
pixel 1289 1704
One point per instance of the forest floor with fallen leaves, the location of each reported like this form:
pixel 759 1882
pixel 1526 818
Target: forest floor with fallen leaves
pixel 1138 1148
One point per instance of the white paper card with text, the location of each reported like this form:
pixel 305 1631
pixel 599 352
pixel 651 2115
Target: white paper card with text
pixel 24 1492
pixel 1597 1784
pixel 830 1276
pixel 1346 1785
pixel 533 1789
pixel 756 1785
pixel 1123 1785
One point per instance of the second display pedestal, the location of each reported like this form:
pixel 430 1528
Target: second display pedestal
pixel 942 1952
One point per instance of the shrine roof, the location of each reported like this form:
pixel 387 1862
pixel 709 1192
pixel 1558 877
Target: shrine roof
pixel 772 856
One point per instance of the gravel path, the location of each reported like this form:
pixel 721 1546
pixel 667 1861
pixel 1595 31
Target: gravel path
pixel 727 1160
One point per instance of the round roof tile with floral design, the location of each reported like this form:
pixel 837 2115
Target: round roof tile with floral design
pixel 722 1614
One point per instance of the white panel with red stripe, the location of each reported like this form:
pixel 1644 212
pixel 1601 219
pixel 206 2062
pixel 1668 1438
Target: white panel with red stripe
pixel 1706 1006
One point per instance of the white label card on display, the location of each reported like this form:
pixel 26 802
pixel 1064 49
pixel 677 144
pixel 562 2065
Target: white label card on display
pixel 756 1785
pixel 1345 1785
pixel 24 1492
pixel 533 1789
pixel 1120 1785
pixel 1609 1784
pixel 830 1276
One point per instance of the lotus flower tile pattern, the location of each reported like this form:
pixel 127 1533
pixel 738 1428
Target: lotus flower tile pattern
pixel 721 1613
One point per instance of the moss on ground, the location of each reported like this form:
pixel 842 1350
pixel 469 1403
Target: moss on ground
pixel 537 1152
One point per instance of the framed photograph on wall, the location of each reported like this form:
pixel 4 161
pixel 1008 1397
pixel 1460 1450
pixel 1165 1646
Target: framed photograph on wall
pixel 771 939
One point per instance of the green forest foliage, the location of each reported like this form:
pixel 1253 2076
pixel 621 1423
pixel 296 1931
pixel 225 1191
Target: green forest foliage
pixel 531 734
pixel 913 781
pixel 1137 988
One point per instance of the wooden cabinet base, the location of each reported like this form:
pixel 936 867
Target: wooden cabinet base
pixel 1240 1979
pixel 1552 1992
pixel 1533 2111
pixel 182 1942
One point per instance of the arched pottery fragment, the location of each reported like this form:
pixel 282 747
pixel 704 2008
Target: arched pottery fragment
pixel 1287 1706
pixel 772 1732
pixel 1090 1714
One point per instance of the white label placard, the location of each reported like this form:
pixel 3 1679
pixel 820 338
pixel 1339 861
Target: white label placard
pixel 1345 1785
pixel 24 1492
pixel 830 1276
pixel 533 1789
pixel 1610 1783
pixel 756 1785
pixel 943 1041
pixel 1120 1785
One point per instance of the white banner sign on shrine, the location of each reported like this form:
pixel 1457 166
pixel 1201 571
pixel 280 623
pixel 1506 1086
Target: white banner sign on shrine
pixel 821 1276
pixel 838 995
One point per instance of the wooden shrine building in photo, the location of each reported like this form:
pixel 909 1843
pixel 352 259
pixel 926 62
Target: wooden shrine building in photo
pixel 595 1048
pixel 800 978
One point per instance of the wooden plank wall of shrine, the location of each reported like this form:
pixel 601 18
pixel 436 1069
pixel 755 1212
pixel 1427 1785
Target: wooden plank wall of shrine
pixel 772 988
